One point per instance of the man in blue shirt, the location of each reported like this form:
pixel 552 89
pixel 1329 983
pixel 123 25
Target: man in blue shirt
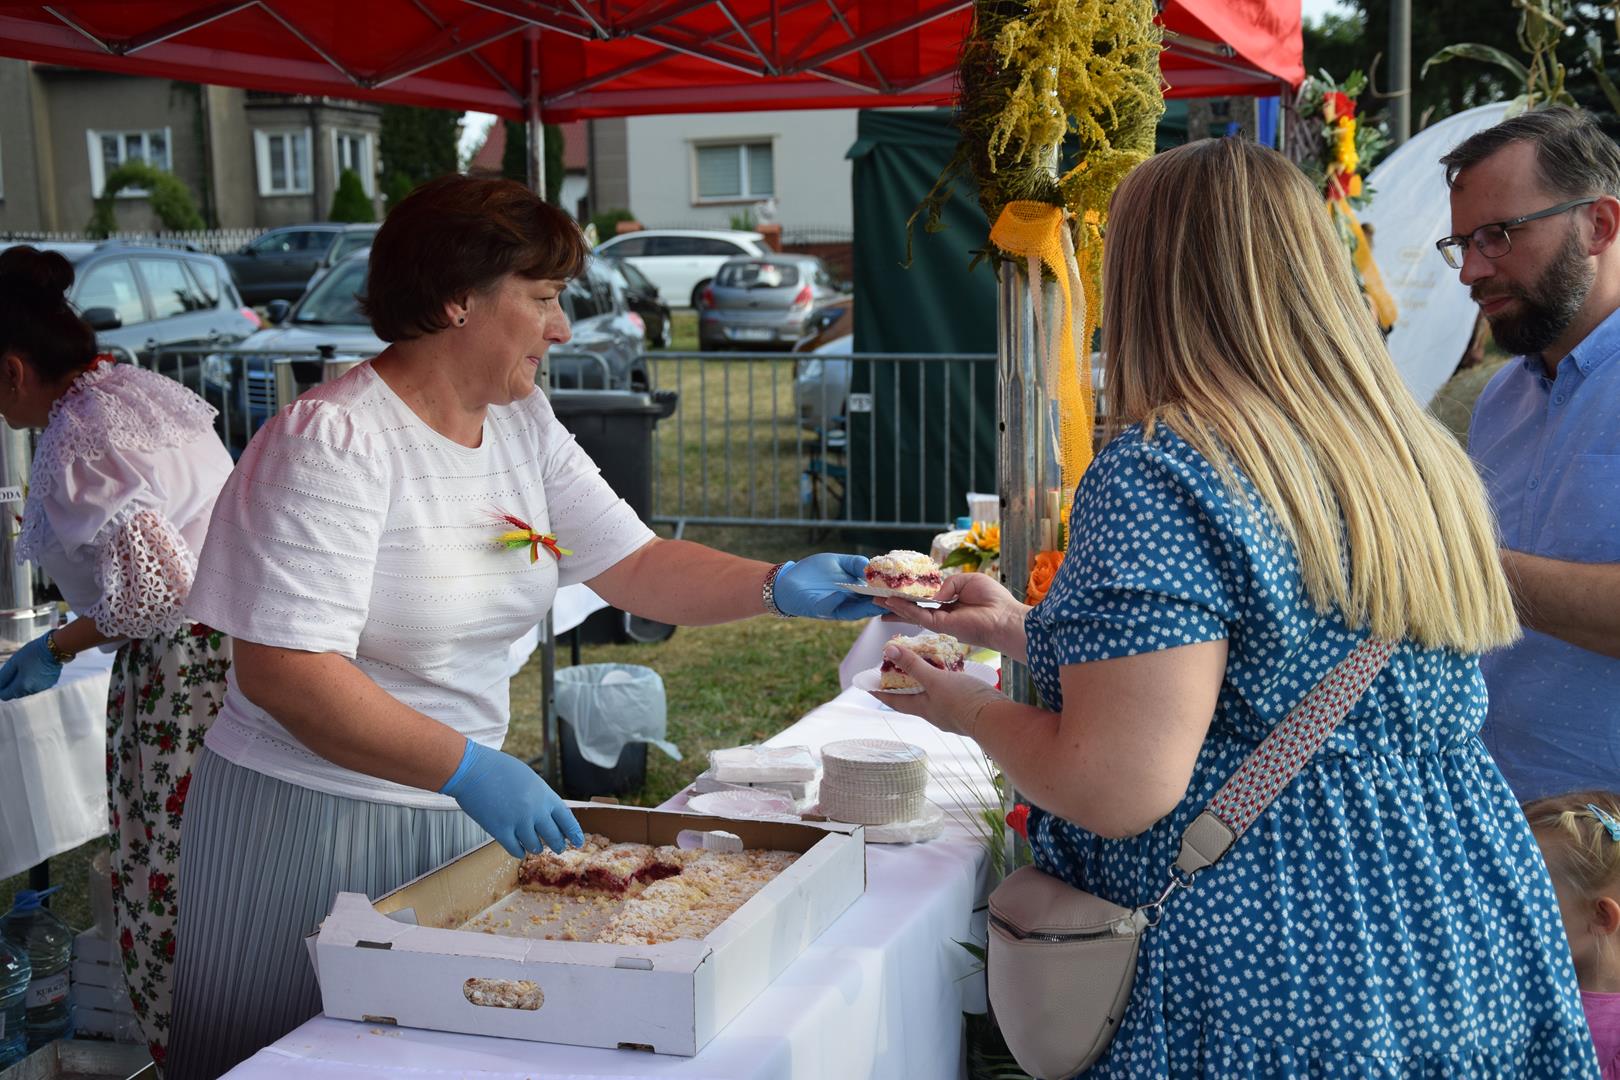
pixel 1535 214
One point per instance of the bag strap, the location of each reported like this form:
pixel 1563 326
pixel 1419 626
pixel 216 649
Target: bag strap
pixel 1273 765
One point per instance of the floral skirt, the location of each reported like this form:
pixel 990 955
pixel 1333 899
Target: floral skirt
pixel 165 691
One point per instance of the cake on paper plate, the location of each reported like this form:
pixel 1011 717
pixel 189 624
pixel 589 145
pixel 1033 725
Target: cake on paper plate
pixel 940 650
pixel 910 573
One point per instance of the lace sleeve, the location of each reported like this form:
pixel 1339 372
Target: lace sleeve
pixel 144 569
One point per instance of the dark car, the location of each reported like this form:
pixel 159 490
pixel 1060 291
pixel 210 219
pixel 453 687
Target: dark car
pixel 142 298
pixel 644 300
pixel 279 264
pixel 763 302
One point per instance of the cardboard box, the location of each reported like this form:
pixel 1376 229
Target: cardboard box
pixel 397 960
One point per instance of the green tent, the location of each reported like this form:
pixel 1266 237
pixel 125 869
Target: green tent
pixel 931 426
pixel 927 434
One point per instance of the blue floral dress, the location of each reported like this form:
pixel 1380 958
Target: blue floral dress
pixel 1390 914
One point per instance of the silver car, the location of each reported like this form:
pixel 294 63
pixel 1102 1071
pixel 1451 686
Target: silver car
pixel 763 302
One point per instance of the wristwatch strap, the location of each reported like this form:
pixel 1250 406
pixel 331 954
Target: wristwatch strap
pixel 768 592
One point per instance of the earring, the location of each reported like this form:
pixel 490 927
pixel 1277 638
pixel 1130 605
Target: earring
pixel 461 320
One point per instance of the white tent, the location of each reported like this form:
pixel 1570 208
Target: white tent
pixel 1411 209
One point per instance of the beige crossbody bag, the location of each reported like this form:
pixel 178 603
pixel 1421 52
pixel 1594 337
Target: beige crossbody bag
pixel 1062 961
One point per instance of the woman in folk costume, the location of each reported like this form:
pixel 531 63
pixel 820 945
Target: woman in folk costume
pixel 124 478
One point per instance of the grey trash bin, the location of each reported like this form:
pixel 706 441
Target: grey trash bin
pixel 615 428
pixel 606 716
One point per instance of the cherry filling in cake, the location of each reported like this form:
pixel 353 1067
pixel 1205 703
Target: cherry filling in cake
pixel 599 867
pixel 940 650
pixel 910 572
pixel 666 893
pixel 943 665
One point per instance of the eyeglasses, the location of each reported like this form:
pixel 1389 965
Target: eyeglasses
pixel 1492 240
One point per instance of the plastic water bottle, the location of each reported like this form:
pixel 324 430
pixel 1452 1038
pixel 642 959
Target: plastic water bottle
pixel 15 971
pixel 48 941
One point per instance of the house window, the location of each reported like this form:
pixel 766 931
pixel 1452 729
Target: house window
pixel 283 158
pixel 732 172
pixel 110 149
pixel 352 150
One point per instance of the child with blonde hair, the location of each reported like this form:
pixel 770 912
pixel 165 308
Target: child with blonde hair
pixel 1579 834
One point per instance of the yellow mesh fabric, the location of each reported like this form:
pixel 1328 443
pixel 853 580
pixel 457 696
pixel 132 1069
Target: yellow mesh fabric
pixel 1036 232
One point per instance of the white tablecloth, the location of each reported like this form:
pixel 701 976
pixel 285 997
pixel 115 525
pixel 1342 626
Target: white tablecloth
pixel 53 765
pixel 879 994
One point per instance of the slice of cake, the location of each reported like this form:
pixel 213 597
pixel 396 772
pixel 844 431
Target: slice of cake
pixel 563 870
pixel 910 572
pixel 941 650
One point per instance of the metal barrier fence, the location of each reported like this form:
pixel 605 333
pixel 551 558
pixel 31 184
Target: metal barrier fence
pixel 875 440
pixel 214 241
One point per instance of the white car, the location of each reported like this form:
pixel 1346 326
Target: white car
pixel 681 261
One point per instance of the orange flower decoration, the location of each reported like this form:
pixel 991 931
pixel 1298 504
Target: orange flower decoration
pixel 1041 575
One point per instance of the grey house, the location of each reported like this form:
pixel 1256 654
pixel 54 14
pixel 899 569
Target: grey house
pixel 253 160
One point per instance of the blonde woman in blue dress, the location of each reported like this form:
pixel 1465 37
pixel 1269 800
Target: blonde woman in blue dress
pixel 1271 497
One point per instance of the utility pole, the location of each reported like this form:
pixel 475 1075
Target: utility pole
pixel 1400 71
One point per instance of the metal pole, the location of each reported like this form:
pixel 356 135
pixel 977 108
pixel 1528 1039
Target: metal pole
pixel 1400 71
pixel 550 744
pixel 1022 406
pixel 537 140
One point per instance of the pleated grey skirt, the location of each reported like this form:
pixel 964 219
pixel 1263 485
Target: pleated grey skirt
pixel 261 861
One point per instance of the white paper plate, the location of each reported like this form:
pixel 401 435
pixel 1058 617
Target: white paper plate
pixel 752 805
pixel 923 829
pixel 863 589
pixel 870 679
pixel 917 831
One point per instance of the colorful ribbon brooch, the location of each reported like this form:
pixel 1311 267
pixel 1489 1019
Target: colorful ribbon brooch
pixel 522 535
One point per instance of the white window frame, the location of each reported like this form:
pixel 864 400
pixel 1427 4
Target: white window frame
pixel 98 169
pixel 741 145
pixel 261 155
pixel 368 157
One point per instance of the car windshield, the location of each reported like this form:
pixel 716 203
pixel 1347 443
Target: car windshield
pixel 758 275
pixel 635 277
pixel 333 300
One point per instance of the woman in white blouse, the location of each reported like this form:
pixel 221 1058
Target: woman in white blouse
pixel 124 478
pixel 382 543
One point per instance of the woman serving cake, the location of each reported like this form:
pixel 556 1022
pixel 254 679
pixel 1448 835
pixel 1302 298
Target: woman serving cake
pixel 381 544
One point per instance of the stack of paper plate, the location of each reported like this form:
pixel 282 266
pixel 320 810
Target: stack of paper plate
pixel 873 781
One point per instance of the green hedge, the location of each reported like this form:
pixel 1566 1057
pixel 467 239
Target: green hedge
pixel 170 198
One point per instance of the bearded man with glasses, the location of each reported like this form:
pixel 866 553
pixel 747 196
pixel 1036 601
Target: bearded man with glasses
pixel 1535 209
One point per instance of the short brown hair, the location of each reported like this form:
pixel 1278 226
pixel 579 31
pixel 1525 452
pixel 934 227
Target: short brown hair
pixel 1574 156
pixel 458 235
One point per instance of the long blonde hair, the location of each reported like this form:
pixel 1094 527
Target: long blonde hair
pixel 1231 316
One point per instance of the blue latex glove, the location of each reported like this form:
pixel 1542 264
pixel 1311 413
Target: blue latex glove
pixel 31 669
pixel 511 802
pixel 809 587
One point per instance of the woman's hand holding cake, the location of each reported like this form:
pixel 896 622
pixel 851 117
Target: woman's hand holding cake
pixel 950 700
pixel 984 614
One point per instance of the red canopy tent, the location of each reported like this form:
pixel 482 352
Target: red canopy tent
pixel 597 58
